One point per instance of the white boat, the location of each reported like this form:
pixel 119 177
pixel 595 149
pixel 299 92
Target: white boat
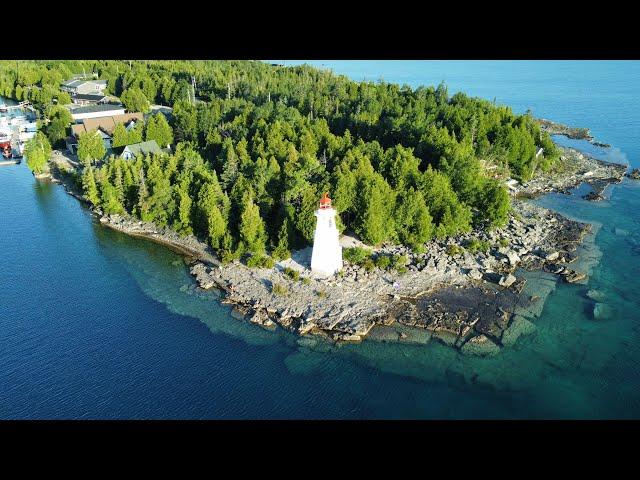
pixel 26 136
pixel 18 120
pixel 29 127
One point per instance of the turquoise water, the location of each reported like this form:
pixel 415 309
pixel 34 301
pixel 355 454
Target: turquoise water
pixel 98 325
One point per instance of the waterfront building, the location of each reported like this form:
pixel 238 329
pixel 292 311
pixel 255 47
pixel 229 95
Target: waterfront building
pixel 96 111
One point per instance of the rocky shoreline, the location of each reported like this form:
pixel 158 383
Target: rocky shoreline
pixel 576 168
pixel 575 133
pixel 429 295
pixel 474 301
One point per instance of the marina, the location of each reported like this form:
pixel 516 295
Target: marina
pixel 17 126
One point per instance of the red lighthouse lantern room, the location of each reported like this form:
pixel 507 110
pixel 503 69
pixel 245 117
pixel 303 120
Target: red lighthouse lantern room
pixel 325 201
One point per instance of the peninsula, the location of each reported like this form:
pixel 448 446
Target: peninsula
pixel 227 161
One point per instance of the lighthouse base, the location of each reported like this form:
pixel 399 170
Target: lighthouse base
pixel 326 259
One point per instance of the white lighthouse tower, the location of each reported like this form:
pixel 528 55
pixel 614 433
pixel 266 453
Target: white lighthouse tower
pixel 326 258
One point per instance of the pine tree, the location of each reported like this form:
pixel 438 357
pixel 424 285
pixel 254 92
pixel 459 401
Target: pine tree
pixel 212 212
pixel 281 251
pixel 413 221
pixel 109 197
pixel 158 129
pixel 89 187
pixel 118 180
pixel 120 136
pixel 230 166
pixel 142 207
pixel 373 209
pixel 182 223
pixel 252 231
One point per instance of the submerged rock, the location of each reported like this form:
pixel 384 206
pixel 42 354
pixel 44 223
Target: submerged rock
pixel 596 295
pixel 519 326
pixel 602 311
pixel 480 345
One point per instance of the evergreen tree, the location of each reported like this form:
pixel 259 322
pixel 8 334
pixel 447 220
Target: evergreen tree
pixel 211 205
pixel 281 252
pixel 374 205
pixel 252 232
pixel 230 166
pixel 182 223
pixel 89 187
pixel 495 204
pixel 134 100
pixel 120 136
pixel 412 218
pixel 158 129
pixel 143 205
pixel 109 197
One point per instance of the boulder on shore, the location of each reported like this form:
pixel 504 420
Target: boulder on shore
pixel 507 281
pixel 551 256
pixel 475 274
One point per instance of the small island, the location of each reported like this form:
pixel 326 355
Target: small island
pixel 227 162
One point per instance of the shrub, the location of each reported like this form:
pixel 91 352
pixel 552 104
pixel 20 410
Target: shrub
pixel 453 250
pixel 279 289
pixel 291 273
pixel 306 280
pixel 503 242
pixel 475 245
pixel 260 261
pixel 402 270
pixel 355 255
pixel 227 256
pixel 368 264
pixel 321 293
pixel 419 248
pixel 383 261
pixel 398 262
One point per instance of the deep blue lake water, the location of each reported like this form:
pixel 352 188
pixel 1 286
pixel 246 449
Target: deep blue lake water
pixel 94 324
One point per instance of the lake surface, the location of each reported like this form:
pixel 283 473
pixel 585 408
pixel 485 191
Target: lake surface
pixel 95 324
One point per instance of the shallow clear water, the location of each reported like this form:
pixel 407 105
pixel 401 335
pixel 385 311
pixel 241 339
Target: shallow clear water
pixel 95 324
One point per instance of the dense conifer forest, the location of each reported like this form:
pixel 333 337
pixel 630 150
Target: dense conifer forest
pixel 255 145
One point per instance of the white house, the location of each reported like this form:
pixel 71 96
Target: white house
pixel 84 86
